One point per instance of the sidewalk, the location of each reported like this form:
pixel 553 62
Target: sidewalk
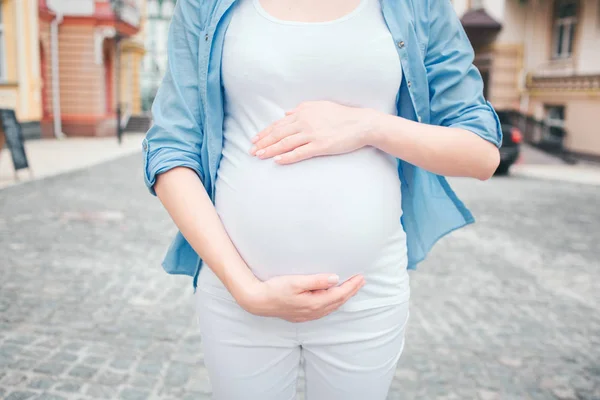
pixel 48 157
pixel 536 164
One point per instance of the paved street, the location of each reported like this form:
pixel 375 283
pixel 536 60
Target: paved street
pixel 49 157
pixel 505 309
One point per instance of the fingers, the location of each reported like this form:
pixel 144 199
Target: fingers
pixel 285 145
pixel 301 153
pixel 311 297
pixel 341 294
pixel 275 131
pixel 323 302
pixel 304 283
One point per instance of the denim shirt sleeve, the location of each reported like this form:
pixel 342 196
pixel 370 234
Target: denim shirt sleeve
pixel 176 136
pixel 455 84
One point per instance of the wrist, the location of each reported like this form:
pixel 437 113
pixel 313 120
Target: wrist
pixel 250 294
pixel 374 128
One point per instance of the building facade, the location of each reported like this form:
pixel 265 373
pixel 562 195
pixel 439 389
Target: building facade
pixel 84 86
pixel 20 70
pixel 541 58
pixel 58 64
pixel 156 31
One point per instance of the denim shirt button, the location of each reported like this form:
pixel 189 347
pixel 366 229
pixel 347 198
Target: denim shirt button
pixel 419 118
pixel 401 44
pixel 409 83
pixel 145 145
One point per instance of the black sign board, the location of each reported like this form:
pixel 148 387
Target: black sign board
pixel 14 138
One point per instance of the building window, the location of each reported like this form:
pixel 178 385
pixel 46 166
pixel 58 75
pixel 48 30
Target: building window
pixel 2 60
pixel 555 115
pixel 555 121
pixel 565 22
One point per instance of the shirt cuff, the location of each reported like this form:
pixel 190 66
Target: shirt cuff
pixel 163 159
pixel 485 124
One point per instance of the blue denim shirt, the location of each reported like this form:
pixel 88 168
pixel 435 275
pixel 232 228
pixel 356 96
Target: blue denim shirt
pixel 440 87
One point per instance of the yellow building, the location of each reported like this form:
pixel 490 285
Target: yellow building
pixel 20 72
pixel 58 64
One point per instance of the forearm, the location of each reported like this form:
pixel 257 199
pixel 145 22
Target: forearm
pixel 182 194
pixel 441 150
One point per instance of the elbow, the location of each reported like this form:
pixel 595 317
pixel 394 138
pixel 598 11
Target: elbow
pixel 489 164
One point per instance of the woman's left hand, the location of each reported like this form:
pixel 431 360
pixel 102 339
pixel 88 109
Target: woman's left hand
pixel 314 129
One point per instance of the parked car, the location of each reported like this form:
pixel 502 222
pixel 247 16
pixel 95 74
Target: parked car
pixel 511 143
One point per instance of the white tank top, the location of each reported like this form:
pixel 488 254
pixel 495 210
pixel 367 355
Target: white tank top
pixel 336 214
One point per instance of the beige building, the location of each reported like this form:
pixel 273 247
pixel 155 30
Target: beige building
pixel 542 58
pixel 20 75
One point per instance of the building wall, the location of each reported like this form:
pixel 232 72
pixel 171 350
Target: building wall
pixel 136 101
pixel 522 51
pixel 10 55
pixel 133 51
pixel 460 6
pixel 513 20
pixel 589 51
pixel 530 27
pixel 580 110
pixel 8 86
pixel 581 102
pixel 505 75
pixel 495 8
pixel 537 31
pixel 32 78
pixel 82 81
pixel 503 58
pixel 584 136
pixel 156 34
pixel 21 88
pixel 87 64
pixel 131 65
pixel 538 42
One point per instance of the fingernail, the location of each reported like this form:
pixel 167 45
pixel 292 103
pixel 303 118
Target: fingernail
pixel 333 279
pixel 254 139
pixel 260 152
pixel 277 158
pixel 253 149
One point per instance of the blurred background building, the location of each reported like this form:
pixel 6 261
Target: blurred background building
pixel 541 59
pixel 78 66
pixel 69 66
pixel 156 29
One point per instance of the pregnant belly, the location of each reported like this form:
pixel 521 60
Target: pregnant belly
pixel 330 214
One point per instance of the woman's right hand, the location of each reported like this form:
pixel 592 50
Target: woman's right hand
pixel 299 298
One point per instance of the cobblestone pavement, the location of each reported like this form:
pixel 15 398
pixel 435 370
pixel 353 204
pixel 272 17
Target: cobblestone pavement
pixel 505 309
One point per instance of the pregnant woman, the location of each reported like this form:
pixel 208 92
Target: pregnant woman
pixel 300 148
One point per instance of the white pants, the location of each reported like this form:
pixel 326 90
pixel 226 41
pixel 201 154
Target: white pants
pixel 347 355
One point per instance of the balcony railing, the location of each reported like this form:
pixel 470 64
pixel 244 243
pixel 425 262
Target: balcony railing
pixel 564 83
pixel 540 134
